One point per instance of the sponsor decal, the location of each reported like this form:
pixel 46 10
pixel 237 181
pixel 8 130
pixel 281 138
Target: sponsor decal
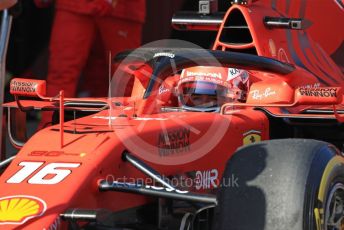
pixel 203 74
pixel 315 85
pixel 174 141
pixel 216 78
pixel 52 153
pixel 258 95
pixel 217 75
pixel 20 208
pixel 318 92
pixel 164 54
pixel 21 86
pixel 162 90
pixel 206 179
pixel 233 73
pixel 251 136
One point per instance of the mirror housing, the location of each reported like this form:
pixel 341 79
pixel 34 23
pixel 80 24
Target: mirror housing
pixel 319 96
pixel 28 87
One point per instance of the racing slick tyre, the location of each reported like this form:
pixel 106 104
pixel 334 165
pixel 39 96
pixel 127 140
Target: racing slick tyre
pixel 282 184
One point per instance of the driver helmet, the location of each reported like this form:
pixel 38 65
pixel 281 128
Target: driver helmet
pixel 206 88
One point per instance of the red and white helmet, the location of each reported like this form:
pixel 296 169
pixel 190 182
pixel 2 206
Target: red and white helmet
pixel 206 88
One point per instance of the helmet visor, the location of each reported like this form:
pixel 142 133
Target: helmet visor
pixel 202 94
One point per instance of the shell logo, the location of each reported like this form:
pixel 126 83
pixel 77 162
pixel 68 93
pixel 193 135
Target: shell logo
pixel 19 209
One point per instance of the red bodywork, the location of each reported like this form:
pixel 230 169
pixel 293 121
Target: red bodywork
pixel 55 176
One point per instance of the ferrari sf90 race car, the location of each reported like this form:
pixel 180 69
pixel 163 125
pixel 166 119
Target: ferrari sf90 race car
pixel 246 135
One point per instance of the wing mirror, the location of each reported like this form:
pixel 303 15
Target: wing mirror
pixel 28 87
pixel 319 96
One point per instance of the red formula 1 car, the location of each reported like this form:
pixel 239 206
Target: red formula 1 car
pixel 261 152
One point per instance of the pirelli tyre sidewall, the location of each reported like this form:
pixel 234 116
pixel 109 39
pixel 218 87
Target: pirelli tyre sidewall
pixel 332 182
pixel 281 184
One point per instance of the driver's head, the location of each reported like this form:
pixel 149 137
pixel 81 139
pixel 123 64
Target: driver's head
pixel 208 88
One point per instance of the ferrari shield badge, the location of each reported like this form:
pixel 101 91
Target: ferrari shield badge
pixel 251 137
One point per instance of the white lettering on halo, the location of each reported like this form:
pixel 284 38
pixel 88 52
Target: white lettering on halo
pixel 257 95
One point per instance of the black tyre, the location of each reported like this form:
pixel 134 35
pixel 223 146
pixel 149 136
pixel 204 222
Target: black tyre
pixel 282 184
